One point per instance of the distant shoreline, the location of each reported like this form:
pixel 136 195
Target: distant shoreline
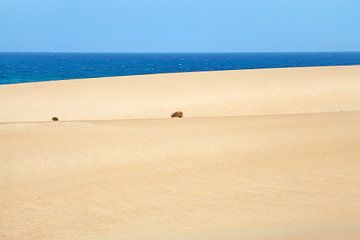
pixel 175 73
pixel 37 67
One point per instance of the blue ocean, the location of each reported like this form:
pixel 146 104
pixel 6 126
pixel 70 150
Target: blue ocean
pixel 34 67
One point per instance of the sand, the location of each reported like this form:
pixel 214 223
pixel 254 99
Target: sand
pixel 288 168
pixel 203 94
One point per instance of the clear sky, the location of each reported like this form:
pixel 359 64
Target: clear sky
pixel 179 25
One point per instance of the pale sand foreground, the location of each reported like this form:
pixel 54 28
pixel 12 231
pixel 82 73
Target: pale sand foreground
pixel 273 177
pixel 244 177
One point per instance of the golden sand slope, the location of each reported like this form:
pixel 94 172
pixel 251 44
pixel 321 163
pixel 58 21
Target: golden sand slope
pixel 265 177
pixel 261 177
pixel 224 93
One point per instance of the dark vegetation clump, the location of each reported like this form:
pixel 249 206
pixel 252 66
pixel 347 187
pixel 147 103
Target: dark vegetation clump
pixel 55 119
pixel 177 115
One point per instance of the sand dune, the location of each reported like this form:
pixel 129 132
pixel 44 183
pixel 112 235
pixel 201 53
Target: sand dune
pixel 284 173
pixel 223 93
pixel 287 177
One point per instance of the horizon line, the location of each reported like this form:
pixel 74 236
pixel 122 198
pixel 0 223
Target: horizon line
pixel 225 52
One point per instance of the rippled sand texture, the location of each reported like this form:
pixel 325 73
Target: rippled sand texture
pixel 289 172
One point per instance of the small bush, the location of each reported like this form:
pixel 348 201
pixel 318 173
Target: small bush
pixel 177 115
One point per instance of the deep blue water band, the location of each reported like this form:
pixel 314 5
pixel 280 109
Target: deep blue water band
pixel 33 67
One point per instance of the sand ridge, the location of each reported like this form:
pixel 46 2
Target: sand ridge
pixel 200 94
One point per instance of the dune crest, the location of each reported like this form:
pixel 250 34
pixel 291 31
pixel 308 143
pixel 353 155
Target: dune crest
pixel 201 94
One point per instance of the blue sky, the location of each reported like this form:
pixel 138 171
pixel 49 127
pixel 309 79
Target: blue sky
pixel 179 25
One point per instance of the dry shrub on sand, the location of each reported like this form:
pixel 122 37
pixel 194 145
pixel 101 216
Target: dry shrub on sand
pixel 177 115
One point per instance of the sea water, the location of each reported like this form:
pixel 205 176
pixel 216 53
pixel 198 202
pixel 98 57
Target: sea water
pixel 34 67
